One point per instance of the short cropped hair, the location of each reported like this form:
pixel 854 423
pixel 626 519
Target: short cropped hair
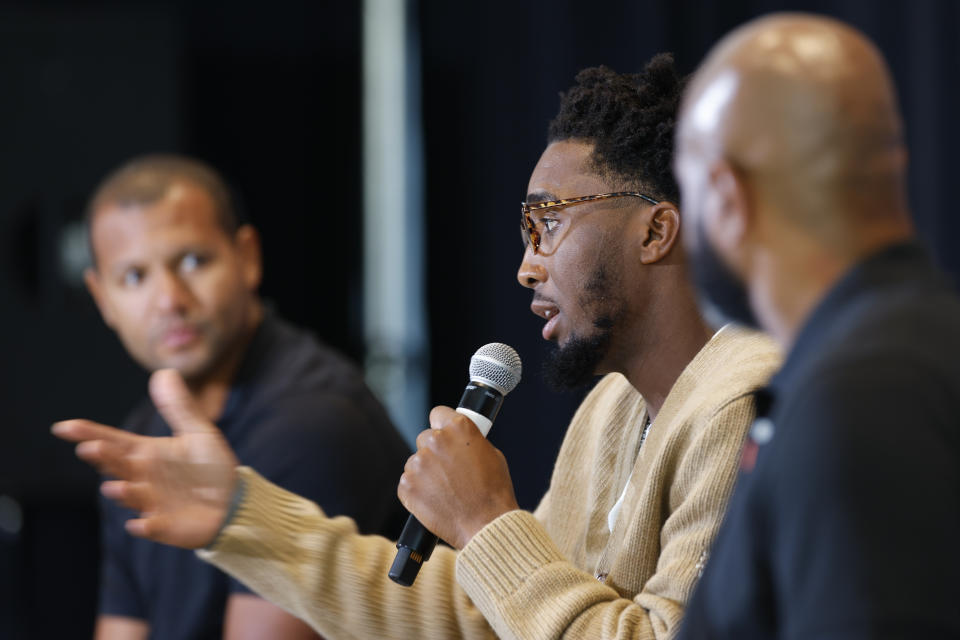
pixel 630 120
pixel 146 179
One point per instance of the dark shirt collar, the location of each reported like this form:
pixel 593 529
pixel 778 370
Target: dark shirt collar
pixel 892 265
pixel 257 350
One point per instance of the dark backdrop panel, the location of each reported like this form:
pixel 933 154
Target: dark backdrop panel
pixel 267 93
pixel 273 100
pixel 72 106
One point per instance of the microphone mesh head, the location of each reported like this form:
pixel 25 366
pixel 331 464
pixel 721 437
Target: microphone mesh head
pixel 497 365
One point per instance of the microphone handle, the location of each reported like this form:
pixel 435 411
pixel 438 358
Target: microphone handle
pixel 481 404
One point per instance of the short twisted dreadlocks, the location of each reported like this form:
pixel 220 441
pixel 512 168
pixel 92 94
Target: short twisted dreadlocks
pixel 629 118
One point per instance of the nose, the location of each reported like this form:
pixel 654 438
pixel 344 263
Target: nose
pixel 171 293
pixel 531 271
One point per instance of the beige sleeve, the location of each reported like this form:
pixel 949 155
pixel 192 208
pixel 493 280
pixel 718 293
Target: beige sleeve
pixel 321 570
pixel 526 589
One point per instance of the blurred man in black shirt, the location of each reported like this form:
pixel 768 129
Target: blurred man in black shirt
pixel 175 275
pixel 846 518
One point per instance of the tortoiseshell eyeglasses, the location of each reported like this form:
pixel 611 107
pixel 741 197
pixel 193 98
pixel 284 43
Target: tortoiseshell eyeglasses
pixel 532 230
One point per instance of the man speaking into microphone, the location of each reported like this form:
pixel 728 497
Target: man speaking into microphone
pixel 643 476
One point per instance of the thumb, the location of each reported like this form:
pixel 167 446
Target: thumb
pixel 177 405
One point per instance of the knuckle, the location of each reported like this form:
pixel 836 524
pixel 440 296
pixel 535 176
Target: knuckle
pixel 432 440
pixel 423 438
pixel 413 464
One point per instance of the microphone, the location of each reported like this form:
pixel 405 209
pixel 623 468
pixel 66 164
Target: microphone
pixel 494 372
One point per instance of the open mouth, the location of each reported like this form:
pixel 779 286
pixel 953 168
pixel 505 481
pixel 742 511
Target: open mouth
pixel 549 312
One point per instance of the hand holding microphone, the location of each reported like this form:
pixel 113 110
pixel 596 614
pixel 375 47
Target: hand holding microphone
pixel 457 482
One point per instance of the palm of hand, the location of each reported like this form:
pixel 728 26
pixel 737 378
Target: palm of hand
pixel 182 485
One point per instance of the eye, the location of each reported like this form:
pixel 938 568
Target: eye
pixel 550 224
pixel 546 224
pixel 192 261
pixel 132 277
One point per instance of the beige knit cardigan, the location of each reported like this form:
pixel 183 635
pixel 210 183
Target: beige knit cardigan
pixel 534 575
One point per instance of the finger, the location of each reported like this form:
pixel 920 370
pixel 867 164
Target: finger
pixel 425 439
pixel 403 493
pixel 109 458
pixel 151 527
pixel 133 495
pixel 403 488
pixel 446 418
pixel 177 405
pixel 406 491
pixel 168 530
pixel 137 527
pixel 409 464
pixel 441 416
pixel 80 430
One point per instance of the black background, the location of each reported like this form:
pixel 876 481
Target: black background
pixel 270 94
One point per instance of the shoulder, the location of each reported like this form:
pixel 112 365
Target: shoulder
pixel 711 406
pixel 915 324
pixel 301 383
pixel 718 384
pixel 859 399
pixel 319 422
pixel 890 364
pixel 862 425
pixel 309 408
pixel 735 361
pixel 326 447
pixel 297 360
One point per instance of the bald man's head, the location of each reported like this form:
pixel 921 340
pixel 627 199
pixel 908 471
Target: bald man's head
pixel 791 165
pixel 804 109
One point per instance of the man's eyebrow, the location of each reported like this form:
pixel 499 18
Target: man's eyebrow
pixel 540 196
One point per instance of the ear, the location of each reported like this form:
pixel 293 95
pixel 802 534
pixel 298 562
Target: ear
pixel 734 215
pixel 91 277
pixel 247 242
pixel 662 228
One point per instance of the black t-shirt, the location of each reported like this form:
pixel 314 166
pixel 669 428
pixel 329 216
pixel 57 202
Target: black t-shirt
pixel 299 414
pixel 845 523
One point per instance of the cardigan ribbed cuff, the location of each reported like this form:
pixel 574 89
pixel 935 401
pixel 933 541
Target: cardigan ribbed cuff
pixel 235 501
pixel 501 556
pixel 249 531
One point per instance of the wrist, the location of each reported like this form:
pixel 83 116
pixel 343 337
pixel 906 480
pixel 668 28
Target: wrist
pixel 236 499
pixel 480 523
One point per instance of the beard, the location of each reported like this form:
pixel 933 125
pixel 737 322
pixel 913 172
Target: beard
pixel 576 363
pixel 721 295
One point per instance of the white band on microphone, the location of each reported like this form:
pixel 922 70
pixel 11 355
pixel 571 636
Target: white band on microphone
pixel 483 423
